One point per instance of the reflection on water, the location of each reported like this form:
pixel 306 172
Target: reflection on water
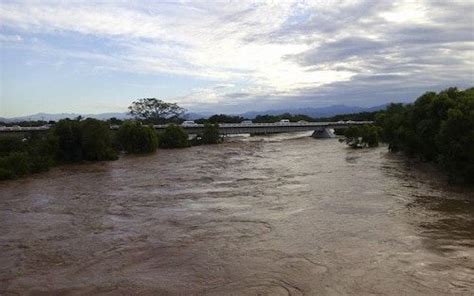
pixel 279 215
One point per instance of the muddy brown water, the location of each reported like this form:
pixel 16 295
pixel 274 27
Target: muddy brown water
pixel 254 216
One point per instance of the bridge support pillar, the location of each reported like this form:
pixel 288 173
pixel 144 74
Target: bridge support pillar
pixel 323 133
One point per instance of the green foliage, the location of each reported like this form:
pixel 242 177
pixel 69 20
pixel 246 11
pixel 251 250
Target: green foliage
pixel 222 118
pixel 133 137
pixel 211 134
pixel 437 127
pixel 68 133
pixel 14 165
pixel 362 136
pixel 89 139
pixel 21 156
pixel 174 137
pixel 114 121
pixel 155 111
pixel 11 144
pixel 42 152
pixel 275 118
pixel 96 142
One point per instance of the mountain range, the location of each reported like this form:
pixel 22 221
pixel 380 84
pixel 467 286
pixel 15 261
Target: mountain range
pixel 313 112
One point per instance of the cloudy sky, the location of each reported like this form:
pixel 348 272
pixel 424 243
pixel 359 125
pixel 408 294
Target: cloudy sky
pixel 229 56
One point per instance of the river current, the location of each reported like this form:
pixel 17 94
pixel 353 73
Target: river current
pixel 276 215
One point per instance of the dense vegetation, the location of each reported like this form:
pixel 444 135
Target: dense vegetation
pixel 437 127
pixel 211 134
pixel 133 137
pixel 174 136
pixel 68 141
pixel 362 136
pixel 89 139
pixel 19 157
pixel 275 118
pixel 221 118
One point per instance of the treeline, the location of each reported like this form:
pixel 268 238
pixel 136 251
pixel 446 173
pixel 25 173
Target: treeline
pixel 437 127
pixel 223 118
pixel 275 118
pixel 72 141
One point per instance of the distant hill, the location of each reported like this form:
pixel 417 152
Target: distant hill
pixel 313 112
pixel 316 112
pixel 58 116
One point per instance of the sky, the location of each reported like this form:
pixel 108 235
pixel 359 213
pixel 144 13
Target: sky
pixel 229 56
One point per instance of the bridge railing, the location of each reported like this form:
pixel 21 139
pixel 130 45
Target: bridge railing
pixel 221 125
pixel 276 124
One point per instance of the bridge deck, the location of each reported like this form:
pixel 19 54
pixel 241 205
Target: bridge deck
pixel 230 128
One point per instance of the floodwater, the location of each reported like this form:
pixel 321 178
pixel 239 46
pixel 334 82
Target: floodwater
pixel 254 216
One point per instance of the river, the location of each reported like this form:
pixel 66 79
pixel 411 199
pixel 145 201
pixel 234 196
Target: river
pixel 277 215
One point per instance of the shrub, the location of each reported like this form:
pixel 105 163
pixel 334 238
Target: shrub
pixel 83 140
pixel 133 137
pixel 68 133
pixel 11 144
pixel 174 137
pixel 96 141
pixel 14 165
pixel 362 136
pixel 211 134
pixel 41 152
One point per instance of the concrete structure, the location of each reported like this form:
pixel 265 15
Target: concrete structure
pixel 321 129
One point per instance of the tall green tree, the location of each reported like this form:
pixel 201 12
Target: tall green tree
pixel 133 137
pixel 174 136
pixel 152 110
pixel 437 127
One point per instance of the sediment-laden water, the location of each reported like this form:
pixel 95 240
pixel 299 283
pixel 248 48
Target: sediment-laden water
pixel 254 216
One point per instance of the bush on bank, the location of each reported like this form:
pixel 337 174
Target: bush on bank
pixel 362 136
pixel 437 127
pixel 19 157
pixel 133 137
pixel 211 134
pixel 174 136
pixel 89 139
pixel 68 141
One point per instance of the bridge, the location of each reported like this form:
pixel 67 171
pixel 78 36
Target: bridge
pixel 321 129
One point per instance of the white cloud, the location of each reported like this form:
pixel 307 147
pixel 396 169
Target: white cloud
pixel 10 38
pixel 246 42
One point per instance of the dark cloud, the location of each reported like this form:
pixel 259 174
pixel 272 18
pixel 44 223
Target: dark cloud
pixel 338 51
pixel 314 24
pixel 237 95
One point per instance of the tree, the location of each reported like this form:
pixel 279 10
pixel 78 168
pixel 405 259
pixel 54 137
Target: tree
pixel 133 137
pixel 211 134
pixel 68 133
pixel 155 111
pixel 362 136
pixel 89 139
pixel 222 118
pixel 174 137
pixel 115 121
pixel 437 127
pixel 96 141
